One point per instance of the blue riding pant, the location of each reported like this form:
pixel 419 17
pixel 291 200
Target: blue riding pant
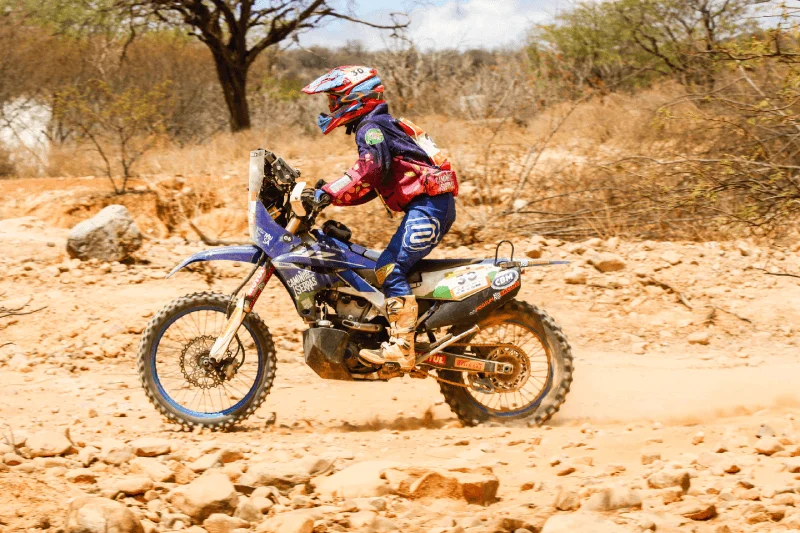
pixel 426 222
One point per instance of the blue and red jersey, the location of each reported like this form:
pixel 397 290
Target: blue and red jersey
pixel 390 164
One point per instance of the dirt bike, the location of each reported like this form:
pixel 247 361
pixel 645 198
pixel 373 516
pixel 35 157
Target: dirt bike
pixel 207 359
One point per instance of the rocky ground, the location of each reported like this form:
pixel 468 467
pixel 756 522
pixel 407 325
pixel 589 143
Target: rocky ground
pixel 682 417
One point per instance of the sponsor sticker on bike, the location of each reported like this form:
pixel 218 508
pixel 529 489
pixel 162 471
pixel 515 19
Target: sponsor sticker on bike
pixel 463 282
pixel 496 297
pixel 438 360
pixel 303 282
pixel 469 364
pixel 263 237
pixel 504 279
pixel 468 284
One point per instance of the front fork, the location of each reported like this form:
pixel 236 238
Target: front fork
pixel 246 302
pixel 244 305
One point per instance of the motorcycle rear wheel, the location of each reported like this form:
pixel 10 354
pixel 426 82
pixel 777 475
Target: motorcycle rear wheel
pixel 237 400
pixel 473 407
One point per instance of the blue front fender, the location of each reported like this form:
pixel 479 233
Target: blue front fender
pixel 244 254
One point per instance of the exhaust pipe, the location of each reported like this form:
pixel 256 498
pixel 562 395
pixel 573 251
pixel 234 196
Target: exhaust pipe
pixel 361 326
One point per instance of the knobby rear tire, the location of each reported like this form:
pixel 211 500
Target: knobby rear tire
pixel 469 410
pixel 157 327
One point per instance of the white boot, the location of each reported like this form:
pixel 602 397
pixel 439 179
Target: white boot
pixel 402 313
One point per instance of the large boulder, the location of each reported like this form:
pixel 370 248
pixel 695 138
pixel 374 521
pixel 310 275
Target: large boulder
pixel 100 515
pixel 206 495
pixel 111 235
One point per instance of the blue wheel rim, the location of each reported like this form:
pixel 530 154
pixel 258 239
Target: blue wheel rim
pixel 201 414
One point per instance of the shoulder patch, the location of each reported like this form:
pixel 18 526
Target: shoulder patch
pixel 373 136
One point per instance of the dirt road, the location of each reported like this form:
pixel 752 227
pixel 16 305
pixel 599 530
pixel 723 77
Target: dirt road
pixel 645 403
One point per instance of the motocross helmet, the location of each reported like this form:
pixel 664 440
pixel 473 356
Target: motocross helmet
pixel 352 91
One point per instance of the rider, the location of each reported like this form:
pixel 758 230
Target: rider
pixel 399 169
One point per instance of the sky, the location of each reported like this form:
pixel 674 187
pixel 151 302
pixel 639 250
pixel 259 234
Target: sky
pixel 437 24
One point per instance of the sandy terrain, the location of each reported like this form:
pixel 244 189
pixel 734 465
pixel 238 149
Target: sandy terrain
pixel 683 416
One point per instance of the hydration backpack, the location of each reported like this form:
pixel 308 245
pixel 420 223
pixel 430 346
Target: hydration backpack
pixel 425 142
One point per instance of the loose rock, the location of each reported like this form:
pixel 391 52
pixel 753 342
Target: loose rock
pixel 356 481
pixel 151 447
pixel 576 277
pixel 698 511
pixel 699 337
pixel 287 523
pixel 670 478
pixel 152 468
pixel 48 444
pixel 206 495
pixel 567 500
pixel 581 523
pixel 100 515
pixel 477 486
pixel 222 523
pixel 607 262
pixel 614 498
pixel 769 446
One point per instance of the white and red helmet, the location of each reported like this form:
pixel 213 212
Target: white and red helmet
pixel 353 92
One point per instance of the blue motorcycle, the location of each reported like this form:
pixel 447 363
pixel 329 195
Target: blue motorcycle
pixel 207 359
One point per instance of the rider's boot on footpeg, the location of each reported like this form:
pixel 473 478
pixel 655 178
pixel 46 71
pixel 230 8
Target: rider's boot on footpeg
pixel 402 314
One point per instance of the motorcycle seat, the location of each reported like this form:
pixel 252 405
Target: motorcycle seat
pixel 423 265
pixel 435 265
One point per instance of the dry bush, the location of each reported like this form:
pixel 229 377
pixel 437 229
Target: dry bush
pixel 120 126
pixel 7 168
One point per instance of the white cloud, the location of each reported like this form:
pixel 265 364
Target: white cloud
pixel 446 24
pixel 474 24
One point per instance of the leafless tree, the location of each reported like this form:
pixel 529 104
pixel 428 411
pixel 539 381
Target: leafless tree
pixel 237 31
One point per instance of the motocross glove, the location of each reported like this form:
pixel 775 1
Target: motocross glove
pixel 315 199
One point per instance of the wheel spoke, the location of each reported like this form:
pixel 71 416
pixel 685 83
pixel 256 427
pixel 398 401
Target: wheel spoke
pixel 188 376
pixel 525 350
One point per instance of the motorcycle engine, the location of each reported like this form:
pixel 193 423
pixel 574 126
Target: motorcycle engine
pixel 355 309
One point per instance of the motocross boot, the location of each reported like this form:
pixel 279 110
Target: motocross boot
pixel 402 314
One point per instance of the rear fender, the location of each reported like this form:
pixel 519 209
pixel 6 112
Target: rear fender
pixel 243 254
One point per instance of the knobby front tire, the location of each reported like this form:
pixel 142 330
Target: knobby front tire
pixel 149 365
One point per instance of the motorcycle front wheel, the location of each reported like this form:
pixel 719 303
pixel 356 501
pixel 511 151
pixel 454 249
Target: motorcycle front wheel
pixel 188 386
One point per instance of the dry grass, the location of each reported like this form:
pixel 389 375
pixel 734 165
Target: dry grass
pixel 555 175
